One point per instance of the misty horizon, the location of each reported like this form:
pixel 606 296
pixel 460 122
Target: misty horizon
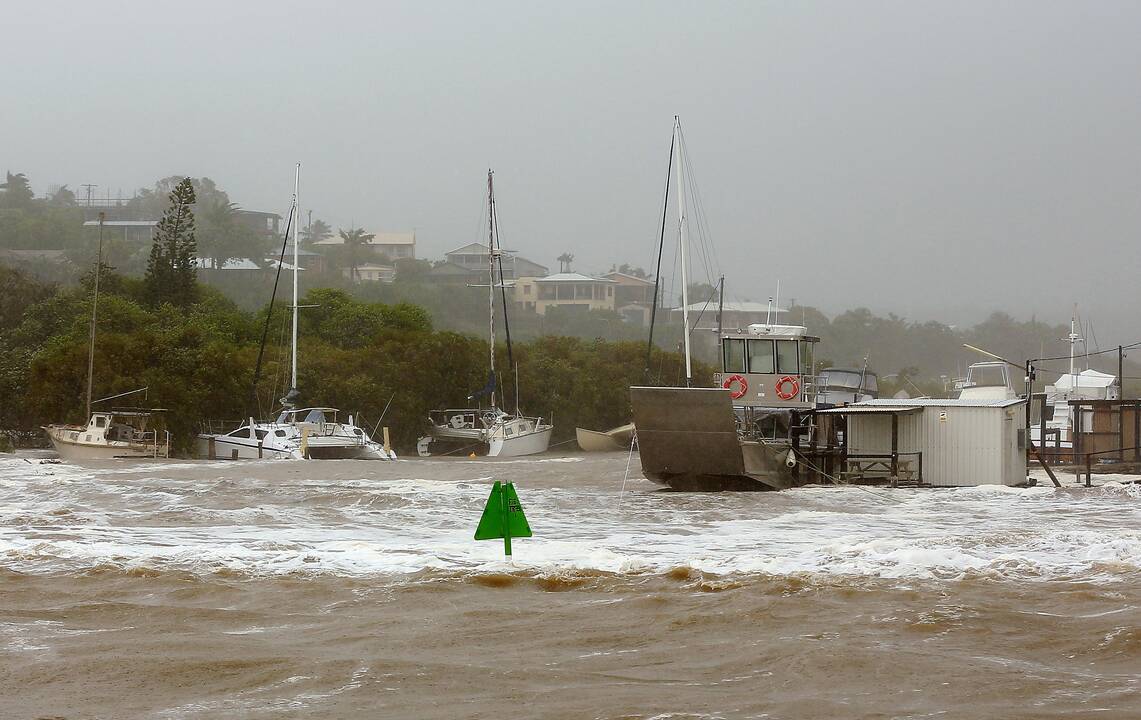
pixel 938 161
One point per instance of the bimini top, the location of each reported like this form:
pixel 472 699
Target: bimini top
pixel 1085 379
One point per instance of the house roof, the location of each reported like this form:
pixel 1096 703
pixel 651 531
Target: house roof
pixel 121 223
pixel 471 249
pixel 570 277
pixel 626 276
pixel 379 238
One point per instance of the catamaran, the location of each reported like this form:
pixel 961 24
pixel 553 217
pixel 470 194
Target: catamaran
pixel 296 432
pixel 497 432
pixel 117 433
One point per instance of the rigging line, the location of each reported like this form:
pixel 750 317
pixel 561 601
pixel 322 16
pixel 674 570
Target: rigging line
pixel 705 307
pixel 272 297
pixel 713 264
pixel 1100 352
pixel 661 245
pixel 629 457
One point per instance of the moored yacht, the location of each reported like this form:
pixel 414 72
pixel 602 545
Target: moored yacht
pixel 492 430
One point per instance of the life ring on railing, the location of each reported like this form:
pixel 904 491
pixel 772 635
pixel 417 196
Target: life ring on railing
pixel 741 382
pixel 790 394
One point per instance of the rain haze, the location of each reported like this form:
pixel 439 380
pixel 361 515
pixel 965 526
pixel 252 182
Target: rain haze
pixel 936 160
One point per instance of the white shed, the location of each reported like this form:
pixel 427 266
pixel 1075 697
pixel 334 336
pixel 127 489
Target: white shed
pixel 957 443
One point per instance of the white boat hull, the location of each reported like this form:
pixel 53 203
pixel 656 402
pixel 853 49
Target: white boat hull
pixel 241 449
pixel 530 443
pixel 69 442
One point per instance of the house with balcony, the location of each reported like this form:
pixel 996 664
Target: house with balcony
pixel 565 289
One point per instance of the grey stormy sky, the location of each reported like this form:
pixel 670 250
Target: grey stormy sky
pixel 935 159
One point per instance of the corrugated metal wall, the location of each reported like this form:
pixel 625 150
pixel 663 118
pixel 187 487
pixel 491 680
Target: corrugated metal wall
pixel 961 446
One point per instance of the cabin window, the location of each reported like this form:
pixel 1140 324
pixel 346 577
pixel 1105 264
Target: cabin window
pixel 733 355
pixel 100 421
pixel 786 357
pixel 240 432
pixel 806 357
pixel 261 434
pixel 279 433
pixel 761 357
pixel 356 431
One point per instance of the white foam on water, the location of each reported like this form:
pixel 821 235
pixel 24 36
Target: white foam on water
pixel 196 518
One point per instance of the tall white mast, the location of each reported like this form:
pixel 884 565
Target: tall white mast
pixel 296 223
pixel 491 276
pixel 1073 337
pixel 684 267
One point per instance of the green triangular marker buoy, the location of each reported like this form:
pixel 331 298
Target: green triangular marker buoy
pixel 503 517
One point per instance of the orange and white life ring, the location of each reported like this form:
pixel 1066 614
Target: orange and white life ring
pixel 787 394
pixel 742 386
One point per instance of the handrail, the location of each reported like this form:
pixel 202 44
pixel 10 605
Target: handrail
pixel 1089 465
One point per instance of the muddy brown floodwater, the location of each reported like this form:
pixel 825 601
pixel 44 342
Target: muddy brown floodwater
pixel 354 589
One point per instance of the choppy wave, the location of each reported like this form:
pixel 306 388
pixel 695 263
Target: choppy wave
pixel 416 517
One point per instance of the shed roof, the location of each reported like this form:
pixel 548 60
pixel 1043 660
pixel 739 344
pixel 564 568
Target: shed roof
pixel 876 410
pixel 936 402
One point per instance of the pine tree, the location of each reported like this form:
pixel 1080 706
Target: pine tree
pixel 171 268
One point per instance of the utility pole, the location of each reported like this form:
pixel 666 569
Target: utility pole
pixel 89 187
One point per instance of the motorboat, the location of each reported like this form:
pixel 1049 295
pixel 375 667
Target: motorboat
pixel 110 434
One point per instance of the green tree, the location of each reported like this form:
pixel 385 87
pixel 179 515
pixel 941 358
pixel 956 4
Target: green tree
pixel 17 192
pixel 63 197
pixel 172 265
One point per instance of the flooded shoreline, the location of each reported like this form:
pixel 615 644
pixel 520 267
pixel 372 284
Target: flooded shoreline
pixel 198 590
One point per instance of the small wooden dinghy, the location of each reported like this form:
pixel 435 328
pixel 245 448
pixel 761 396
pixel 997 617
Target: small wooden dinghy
pixel 594 441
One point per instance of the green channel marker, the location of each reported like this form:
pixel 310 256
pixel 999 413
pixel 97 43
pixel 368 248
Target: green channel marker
pixel 503 517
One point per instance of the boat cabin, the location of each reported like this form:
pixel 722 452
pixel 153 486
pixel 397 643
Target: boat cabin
pixel 988 381
pixel 837 386
pixel 768 366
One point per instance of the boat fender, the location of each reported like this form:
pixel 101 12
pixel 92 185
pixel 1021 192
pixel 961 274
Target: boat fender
pixel 792 392
pixel 742 386
pixel 790 459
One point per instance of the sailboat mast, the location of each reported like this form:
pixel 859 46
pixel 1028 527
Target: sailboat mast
pixel 491 277
pixel 94 307
pixel 684 267
pixel 296 206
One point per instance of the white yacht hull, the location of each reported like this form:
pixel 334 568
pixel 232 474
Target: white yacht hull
pixel 530 443
pixel 214 447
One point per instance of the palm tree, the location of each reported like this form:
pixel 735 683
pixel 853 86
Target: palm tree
pixel 354 239
pixel 565 262
pixel 317 231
